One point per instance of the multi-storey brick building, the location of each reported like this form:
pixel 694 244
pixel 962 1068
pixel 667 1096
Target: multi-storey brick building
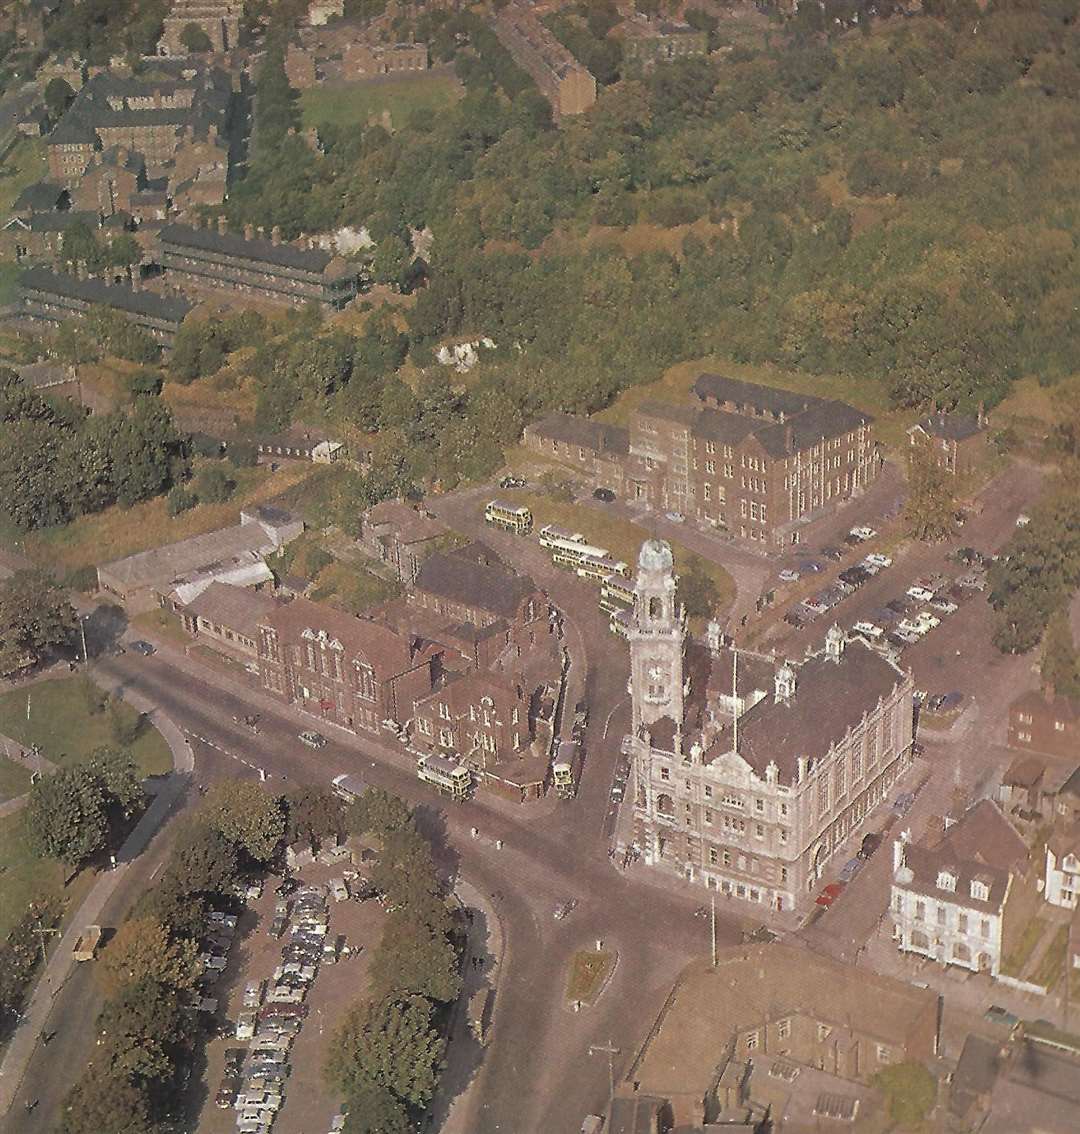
pixel 949 896
pixel 955 442
pixel 569 87
pixel 752 460
pixel 648 42
pixel 343 669
pixel 271 270
pixel 219 19
pixel 150 116
pixel 1044 722
pixel 752 796
pixel 401 536
pixel 369 60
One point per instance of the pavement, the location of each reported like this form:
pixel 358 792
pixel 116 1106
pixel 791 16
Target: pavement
pixel 28 1033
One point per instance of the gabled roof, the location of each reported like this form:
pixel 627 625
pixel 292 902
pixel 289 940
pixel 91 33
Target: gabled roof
pixel 264 251
pixel 595 435
pixel 1044 706
pixel 238 608
pixel 40 197
pixel 759 399
pixel 150 304
pixel 949 426
pixel 477 585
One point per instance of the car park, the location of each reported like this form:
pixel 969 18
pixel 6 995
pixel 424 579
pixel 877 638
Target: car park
pixel 312 739
pixel 605 495
pixel 788 576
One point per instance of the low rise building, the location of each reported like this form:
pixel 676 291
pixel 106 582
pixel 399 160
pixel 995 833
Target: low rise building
pixel 364 60
pixel 322 11
pixel 52 298
pixel 341 669
pixel 956 442
pixel 600 450
pixel 401 536
pixel 228 617
pixel 949 893
pixel 563 81
pixel 110 182
pixel 647 42
pixel 1062 878
pixel 780 1003
pixel 271 270
pixel 1045 723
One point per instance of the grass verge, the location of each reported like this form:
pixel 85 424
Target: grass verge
pixel 1014 961
pixel 347 104
pixel 588 971
pixel 162 624
pixel 14 779
pixel 62 724
pixel 1052 964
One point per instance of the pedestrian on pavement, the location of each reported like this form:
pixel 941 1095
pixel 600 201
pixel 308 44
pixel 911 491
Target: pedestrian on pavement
pixel 30 1104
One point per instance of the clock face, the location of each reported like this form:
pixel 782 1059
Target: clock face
pixel 656 672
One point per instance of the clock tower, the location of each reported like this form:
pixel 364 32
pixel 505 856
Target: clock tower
pixel 656 636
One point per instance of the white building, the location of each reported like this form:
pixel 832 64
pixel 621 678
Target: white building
pixel 1062 880
pixel 948 897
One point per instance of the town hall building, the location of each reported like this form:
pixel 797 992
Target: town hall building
pixel 749 783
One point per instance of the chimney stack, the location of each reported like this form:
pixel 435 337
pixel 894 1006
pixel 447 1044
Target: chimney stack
pixel 222 224
pixel 261 232
pixel 275 234
pixel 249 232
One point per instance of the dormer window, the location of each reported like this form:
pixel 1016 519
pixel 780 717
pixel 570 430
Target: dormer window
pixel 979 890
pixel 946 881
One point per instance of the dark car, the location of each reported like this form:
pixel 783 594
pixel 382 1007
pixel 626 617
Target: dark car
pixel 227 1092
pixel 900 605
pixel 604 494
pixel 870 843
pixel 833 553
pixel 141 647
pixel 811 567
pixel 286 887
pixel 513 482
pixel 793 618
pixel 855 576
pixel 277 927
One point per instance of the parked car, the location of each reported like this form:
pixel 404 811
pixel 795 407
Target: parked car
pixel 674 517
pixel 794 618
pixel 998 1015
pixel 513 482
pixel 277 927
pixel 564 909
pixel 878 560
pixel 854 576
pixel 850 869
pixel 312 739
pixel 227 1092
pixel 907 633
pixel 141 647
pixel 919 594
pixel 811 567
pixel 944 605
pixel 903 803
pixel 900 605
pixel 830 894
pixel 868 630
pixel 788 576
pixel 605 495
pixel 340 890
pixel 863 533
pixel 925 622
pixel 870 843
pixel 833 553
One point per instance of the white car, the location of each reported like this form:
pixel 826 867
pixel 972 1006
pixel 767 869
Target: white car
pixel 878 560
pixel 906 634
pixel 339 890
pixel 910 626
pixel 925 621
pixel 944 605
pixel 253 994
pixel 868 630
pixel 920 594
pixel 863 533
pixel 285 994
pixel 245 1026
pixel 789 576
pixel 674 517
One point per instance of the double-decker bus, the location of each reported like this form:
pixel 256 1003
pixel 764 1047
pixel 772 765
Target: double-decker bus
pixel 549 535
pixel 602 568
pixel 619 623
pixel 616 594
pixel 446 774
pixel 510 517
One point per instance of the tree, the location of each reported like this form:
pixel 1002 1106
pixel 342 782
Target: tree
pixel 213 485
pixel 697 590
pixel 312 814
pixel 423 962
pixel 106 1102
pixel 142 951
pixel 67 816
pixel 928 510
pixel 118 774
pixel 203 861
pixel 1060 667
pixel 374 1109
pixel 392 258
pixel 35 617
pixel 910 1092
pixel 247 816
pixel 379 813
pixel 58 96
pixel 142 1028
pixel 390 1043
pixel 194 39
pixel 79 245
pixel 144 384
pixel 180 500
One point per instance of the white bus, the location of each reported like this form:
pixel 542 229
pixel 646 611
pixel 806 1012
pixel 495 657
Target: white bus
pixel 601 569
pixel 512 518
pixel 348 787
pixel 445 774
pixel 618 589
pixel 620 623
pixel 550 535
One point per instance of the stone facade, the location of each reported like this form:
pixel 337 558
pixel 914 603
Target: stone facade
pixel 956 442
pixel 368 61
pixel 648 42
pixel 752 791
pixel 219 19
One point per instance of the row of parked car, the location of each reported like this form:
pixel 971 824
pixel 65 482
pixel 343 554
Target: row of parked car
pixel 848 581
pixel 908 618
pixel 274 1011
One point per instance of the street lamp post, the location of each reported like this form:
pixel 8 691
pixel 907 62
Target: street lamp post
pixel 82 633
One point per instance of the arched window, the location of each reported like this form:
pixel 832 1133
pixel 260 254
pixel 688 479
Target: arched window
pixel 656 607
pixel 665 805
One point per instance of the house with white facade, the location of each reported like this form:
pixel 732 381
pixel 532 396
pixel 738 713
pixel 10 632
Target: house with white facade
pixel 1061 885
pixel 949 894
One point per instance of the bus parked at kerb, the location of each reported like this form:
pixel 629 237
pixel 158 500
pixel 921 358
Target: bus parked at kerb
pixel 510 517
pixel 451 777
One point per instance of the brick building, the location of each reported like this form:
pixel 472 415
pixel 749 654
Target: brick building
pixel 1044 723
pixel 955 441
pixel 343 669
pixel 752 460
pixel 219 19
pixel 149 115
pixel 51 298
pixel 111 180
pixel 369 60
pixel 949 894
pixel 461 587
pixel 764 1004
pixel 400 536
pixel 228 617
pixel 569 87
pixel 751 794
pixel 271 270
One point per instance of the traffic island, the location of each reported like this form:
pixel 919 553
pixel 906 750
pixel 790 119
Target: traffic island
pixel 590 971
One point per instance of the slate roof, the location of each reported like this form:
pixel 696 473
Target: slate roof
pixel 830 698
pixel 387 652
pixel 61 222
pixel 147 303
pixel 282 255
pixel 595 435
pixel 760 399
pixel 950 426
pixel 406 523
pixel 239 608
pixel 477 585
pixel 975 1074
pixel 40 197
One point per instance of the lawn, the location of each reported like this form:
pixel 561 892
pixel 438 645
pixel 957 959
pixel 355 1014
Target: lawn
pixel 117 531
pixel 352 588
pixel 9 275
pixel 14 779
pixel 65 729
pixel 162 624
pixel 23 166
pixel 588 971
pixel 1014 961
pixel 623 538
pixel 348 104
pixel 23 877
pixel 1052 964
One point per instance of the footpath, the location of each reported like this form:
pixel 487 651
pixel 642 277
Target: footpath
pixel 31 761
pixel 28 1032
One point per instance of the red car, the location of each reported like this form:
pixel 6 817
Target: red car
pixel 830 893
